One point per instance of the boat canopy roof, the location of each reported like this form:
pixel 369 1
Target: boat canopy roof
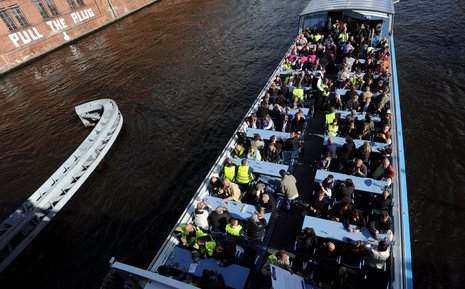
pixel 381 6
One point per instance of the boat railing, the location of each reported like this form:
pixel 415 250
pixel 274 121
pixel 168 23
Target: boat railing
pixel 401 257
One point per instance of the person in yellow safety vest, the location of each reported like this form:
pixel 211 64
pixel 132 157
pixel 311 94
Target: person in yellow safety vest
pixel 229 170
pixel 280 259
pixel 330 116
pixel 317 37
pixel 254 153
pixel 205 246
pixel 343 37
pixel 370 49
pixel 244 173
pixel 238 152
pixel 299 92
pixel 333 129
pixel 234 228
pixel 187 234
pixel 358 82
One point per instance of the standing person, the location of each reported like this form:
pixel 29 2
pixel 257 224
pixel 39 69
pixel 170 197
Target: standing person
pixel 201 213
pixel 288 188
pixel 244 175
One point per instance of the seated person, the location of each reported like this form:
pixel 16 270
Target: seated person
pixel 280 259
pixel 187 234
pixel 383 201
pixel 359 169
pixel 171 271
pixel 268 123
pixel 210 279
pixel 383 136
pixel 251 197
pixel 201 213
pixel 225 254
pixel 302 264
pixel 331 147
pixel 204 247
pixel 324 162
pixel 218 219
pixel 257 142
pixel 345 191
pixel 216 184
pixel 239 152
pixel 327 270
pixel 268 203
pixel 379 223
pixel 318 205
pixel 254 153
pixel 272 154
pixel 364 152
pixel 327 185
pixel 349 130
pixel 353 254
pixel 256 226
pixel 230 191
pixel 338 211
pixel 229 170
pixel 298 122
pixel 233 228
pixel 355 218
pixel 307 242
pixel 384 171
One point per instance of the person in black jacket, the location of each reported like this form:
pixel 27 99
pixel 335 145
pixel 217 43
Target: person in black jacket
pixel 380 222
pixel 224 254
pixel 256 227
pixel 318 205
pixel 218 219
pixel 268 203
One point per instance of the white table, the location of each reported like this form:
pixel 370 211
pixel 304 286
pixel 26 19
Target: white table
pixel 376 147
pixel 336 231
pixel 360 116
pixel 235 276
pixel 239 211
pixel 361 184
pixel 341 91
pixel 266 134
pixel 261 167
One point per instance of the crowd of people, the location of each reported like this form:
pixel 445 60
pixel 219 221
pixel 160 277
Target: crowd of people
pixel 340 55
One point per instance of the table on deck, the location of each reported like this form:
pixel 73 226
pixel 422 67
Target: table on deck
pixel 235 276
pixel 376 147
pixel 261 167
pixel 266 134
pixel 239 211
pixel 336 231
pixel 361 184
pixel 343 114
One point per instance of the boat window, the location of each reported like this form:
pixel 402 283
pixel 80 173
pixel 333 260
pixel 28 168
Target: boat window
pixel 318 20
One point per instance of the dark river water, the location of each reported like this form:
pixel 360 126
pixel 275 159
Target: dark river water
pixel 183 74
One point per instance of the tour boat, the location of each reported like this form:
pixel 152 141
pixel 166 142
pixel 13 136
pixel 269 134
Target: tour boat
pixel 397 271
